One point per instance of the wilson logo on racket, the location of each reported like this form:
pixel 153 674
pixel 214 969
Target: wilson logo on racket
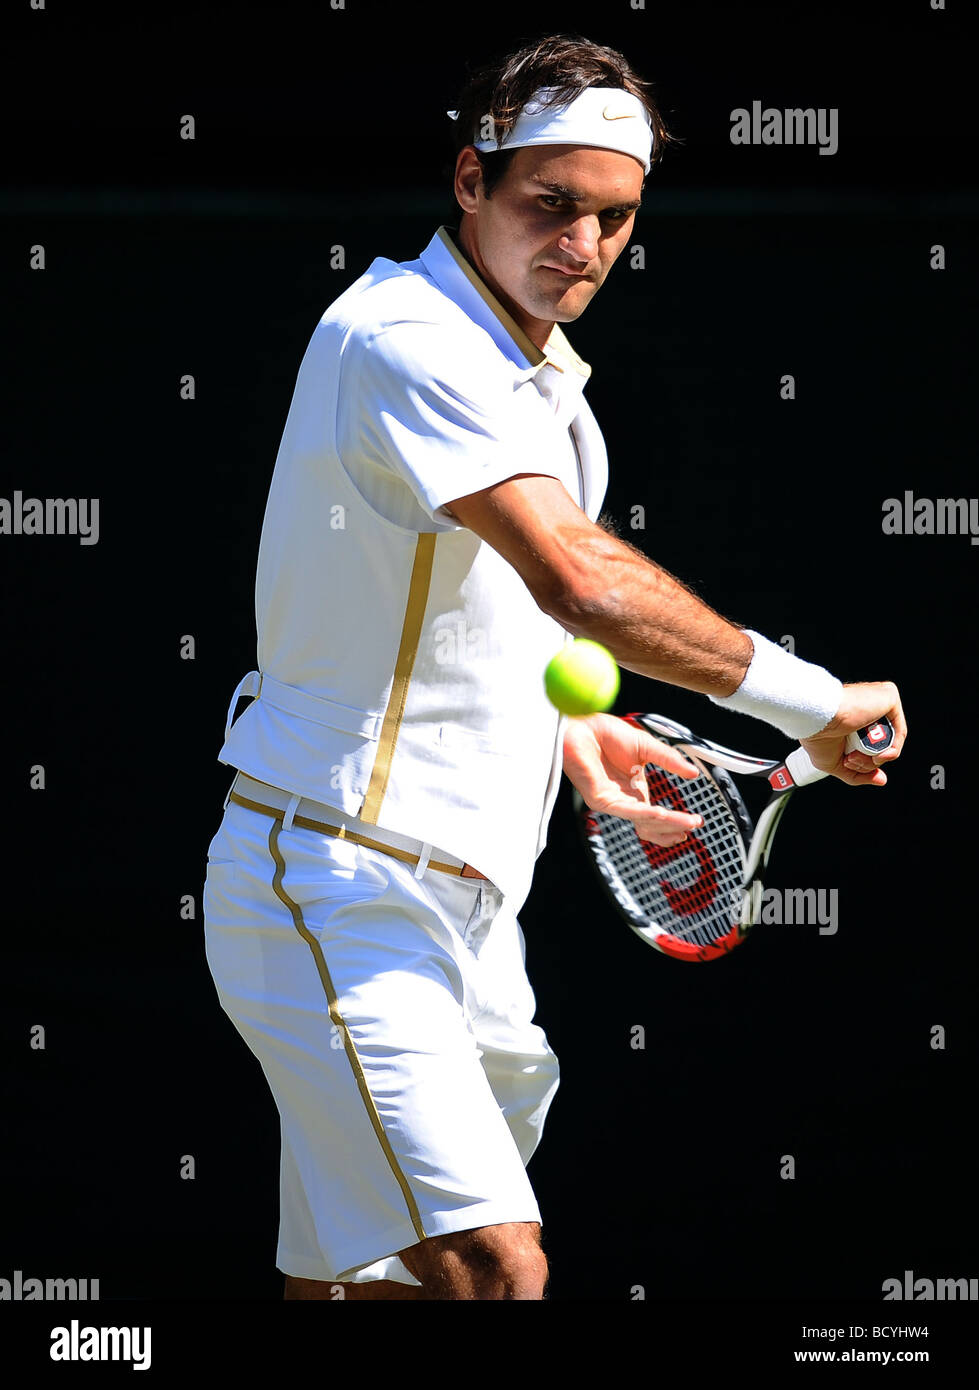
pixel 693 897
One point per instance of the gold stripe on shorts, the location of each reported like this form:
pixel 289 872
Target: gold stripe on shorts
pixel 338 1020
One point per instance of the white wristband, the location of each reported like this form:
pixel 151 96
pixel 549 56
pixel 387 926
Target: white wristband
pixel 796 696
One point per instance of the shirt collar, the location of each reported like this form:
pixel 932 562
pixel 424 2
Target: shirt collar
pixel 454 275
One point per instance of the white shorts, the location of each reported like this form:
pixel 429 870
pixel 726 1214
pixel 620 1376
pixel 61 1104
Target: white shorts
pixel 392 1017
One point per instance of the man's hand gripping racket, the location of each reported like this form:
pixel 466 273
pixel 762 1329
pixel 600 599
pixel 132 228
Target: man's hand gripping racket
pixel 695 890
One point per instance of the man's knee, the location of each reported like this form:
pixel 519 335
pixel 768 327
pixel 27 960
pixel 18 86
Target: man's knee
pixel 489 1262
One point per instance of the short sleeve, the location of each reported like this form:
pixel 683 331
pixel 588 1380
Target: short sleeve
pixel 441 410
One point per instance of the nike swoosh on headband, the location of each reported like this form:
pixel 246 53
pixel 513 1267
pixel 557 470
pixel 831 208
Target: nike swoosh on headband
pixel 623 116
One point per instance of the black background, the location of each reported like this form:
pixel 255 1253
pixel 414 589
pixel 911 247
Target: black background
pixel 659 1167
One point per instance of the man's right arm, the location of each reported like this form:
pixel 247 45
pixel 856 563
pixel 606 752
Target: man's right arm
pixel 597 586
pixel 600 587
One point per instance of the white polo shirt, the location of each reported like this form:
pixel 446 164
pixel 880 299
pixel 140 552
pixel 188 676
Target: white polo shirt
pixel 401 658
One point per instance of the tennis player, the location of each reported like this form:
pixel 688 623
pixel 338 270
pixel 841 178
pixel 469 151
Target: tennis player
pixel 431 539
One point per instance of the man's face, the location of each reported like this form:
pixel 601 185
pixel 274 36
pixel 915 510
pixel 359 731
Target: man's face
pixel 557 209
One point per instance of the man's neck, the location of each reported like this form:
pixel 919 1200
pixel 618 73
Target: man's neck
pixel 537 330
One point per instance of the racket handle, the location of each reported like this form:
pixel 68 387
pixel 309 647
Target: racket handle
pixel 871 739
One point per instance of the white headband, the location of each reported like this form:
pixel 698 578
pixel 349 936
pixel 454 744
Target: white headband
pixel 605 117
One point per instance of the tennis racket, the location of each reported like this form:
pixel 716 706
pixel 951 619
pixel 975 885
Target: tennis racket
pixel 697 900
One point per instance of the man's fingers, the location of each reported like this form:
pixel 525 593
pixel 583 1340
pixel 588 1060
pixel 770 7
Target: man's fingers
pixel 630 745
pixel 654 822
pixel 651 750
pixel 865 702
pixel 863 762
pixel 875 777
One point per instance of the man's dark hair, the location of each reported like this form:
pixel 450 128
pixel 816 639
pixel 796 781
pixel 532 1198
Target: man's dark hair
pixel 569 63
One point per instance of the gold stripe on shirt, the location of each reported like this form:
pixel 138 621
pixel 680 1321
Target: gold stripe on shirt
pixel 418 587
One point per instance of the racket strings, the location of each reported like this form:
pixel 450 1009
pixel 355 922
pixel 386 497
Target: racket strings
pixel 691 890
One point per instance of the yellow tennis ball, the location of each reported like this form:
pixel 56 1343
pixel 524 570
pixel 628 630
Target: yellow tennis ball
pixel 582 679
